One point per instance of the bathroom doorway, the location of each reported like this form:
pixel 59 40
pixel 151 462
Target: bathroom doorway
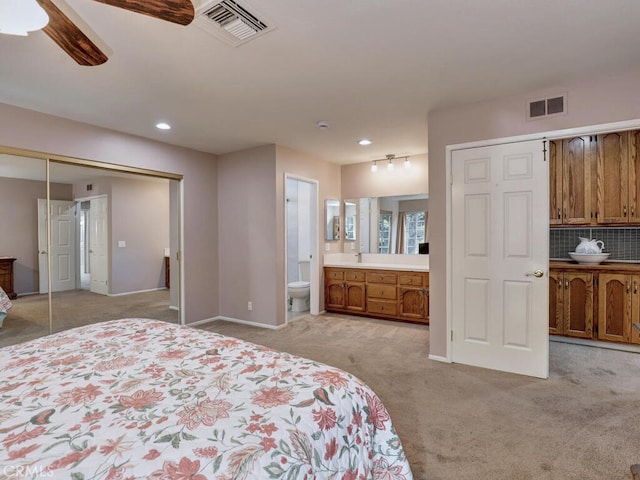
pixel 301 246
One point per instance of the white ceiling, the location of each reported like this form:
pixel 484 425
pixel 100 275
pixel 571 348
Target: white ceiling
pixel 370 68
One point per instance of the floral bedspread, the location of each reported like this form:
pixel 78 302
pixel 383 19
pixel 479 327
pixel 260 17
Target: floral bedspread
pixel 136 398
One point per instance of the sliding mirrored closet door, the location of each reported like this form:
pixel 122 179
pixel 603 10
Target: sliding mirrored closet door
pixel 95 244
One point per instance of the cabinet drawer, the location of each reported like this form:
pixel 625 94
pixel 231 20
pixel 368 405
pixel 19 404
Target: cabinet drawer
pixel 388 292
pixel 335 274
pixel 381 277
pixel 356 276
pixel 382 307
pixel 412 279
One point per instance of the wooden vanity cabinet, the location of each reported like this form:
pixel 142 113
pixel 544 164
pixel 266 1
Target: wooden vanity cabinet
pixel 344 290
pixel 355 291
pixel 392 294
pixel 382 295
pixel 571 304
pixel 413 294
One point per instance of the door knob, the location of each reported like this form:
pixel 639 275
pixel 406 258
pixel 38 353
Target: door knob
pixel 535 273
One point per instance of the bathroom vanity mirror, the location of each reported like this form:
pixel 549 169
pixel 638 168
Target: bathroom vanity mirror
pixel 332 228
pixel 393 225
pixel 350 220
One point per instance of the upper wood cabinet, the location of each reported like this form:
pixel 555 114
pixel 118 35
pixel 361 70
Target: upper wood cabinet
pixel 571 167
pixel 595 179
pixel 617 177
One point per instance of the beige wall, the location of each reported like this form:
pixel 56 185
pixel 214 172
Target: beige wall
pixel 295 162
pixel 25 129
pixel 358 181
pixel 252 238
pixel 593 102
pixel 19 217
pixel 139 213
pixel 247 235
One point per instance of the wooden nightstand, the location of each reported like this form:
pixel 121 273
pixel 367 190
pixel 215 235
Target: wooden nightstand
pixel 6 276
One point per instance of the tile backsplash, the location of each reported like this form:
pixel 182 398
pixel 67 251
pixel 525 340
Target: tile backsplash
pixel 623 243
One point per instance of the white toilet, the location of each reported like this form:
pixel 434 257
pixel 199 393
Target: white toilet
pixel 299 291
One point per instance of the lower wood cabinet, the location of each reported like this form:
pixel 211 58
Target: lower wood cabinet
pixel 344 291
pixel 571 304
pixel 618 307
pixel 392 294
pixel 601 302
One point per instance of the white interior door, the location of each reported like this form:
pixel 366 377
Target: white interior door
pixel 99 245
pixel 63 238
pixel 500 258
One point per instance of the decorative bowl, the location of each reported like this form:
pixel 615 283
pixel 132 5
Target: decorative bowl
pixel 589 258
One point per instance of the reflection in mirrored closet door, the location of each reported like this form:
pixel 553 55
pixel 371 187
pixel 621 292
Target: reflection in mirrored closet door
pixel 102 250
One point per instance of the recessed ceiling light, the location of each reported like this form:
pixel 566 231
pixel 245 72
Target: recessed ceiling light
pixel 163 126
pixel 364 141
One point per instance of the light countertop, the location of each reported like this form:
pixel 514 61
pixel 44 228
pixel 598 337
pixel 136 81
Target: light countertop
pixel 380 266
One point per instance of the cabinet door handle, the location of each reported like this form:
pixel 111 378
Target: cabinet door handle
pixel 624 210
pixel 633 210
pixel 635 286
pixel 628 286
pixel 559 213
pixel 566 284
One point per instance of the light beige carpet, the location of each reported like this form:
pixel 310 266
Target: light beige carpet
pixel 456 422
pixel 463 423
pixel 29 317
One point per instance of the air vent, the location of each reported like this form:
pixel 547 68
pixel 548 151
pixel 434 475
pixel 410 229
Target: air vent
pixel 546 107
pixel 231 22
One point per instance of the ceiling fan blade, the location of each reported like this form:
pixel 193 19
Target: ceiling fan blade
pixel 70 38
pixel 174 11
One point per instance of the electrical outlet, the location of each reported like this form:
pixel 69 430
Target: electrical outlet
pixel 249 306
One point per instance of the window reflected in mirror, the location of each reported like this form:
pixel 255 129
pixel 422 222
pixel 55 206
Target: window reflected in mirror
pixel 350 220
pixel 393 225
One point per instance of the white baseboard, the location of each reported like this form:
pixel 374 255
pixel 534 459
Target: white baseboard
pixel 624 347
pixel 438 358
pixel 234 320
pixel 201 322
pixel 137 291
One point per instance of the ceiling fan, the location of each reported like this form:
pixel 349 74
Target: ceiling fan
pixel 62 30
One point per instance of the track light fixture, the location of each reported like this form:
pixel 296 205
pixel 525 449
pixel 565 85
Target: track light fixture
pixel 390 157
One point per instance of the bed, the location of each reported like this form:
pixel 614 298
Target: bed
pixel 139 398
pixel 5 306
